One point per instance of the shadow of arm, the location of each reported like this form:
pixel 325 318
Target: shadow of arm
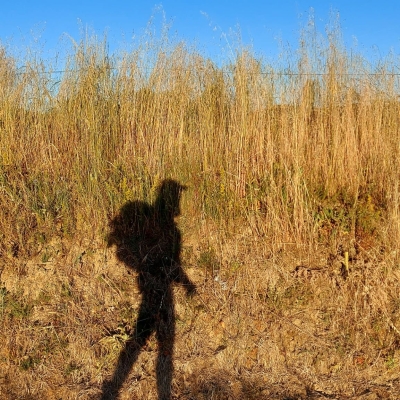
pixel 185 281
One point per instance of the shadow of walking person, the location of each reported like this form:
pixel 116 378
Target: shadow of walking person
pixel 147 240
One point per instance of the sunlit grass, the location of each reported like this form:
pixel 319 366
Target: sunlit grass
pixel 250 140
pixel 292 204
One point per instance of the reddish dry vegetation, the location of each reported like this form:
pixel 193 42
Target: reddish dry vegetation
pixel 290 223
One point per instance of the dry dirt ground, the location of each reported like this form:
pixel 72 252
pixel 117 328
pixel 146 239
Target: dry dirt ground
pixel 267 322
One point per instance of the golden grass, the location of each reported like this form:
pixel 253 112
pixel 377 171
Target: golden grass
pixel 289 175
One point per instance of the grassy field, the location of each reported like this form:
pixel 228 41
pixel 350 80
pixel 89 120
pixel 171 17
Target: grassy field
pixel 290 221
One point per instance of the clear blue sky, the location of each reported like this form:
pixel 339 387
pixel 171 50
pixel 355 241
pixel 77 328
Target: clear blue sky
pixel 374 25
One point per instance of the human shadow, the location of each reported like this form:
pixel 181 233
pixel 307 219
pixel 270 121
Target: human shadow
pixel 148 240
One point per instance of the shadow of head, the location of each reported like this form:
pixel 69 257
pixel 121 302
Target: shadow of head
pixel 135 217
pixel 167 204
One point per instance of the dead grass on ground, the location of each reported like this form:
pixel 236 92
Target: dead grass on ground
pixel 283 323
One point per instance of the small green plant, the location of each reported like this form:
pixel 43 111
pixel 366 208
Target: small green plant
pixel 46 256
pixel 66 290
pixel 43 298
pixel 208 260
pixel 71 367
pixel 332 220
pixel 391 361
pixel 18 308
pixel 29 362
pixel 3 295
pixel 272 298
pixel 369 215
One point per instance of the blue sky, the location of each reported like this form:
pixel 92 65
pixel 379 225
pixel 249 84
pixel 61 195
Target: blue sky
pixel 49 26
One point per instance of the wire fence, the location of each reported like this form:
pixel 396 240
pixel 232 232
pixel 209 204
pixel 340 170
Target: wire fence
pixel 223 70
pixel 285 84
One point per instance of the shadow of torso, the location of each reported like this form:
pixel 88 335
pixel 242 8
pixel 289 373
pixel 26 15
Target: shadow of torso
pixel 151 246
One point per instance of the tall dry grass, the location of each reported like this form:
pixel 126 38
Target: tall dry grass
pixel 286 152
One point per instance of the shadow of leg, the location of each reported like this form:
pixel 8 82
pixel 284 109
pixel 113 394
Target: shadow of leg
pixel 165 337
pixel 129 355
pixel 164 373
pixel 127 358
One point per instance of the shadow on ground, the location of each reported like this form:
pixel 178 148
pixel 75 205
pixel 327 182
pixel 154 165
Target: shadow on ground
pixel 148 241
